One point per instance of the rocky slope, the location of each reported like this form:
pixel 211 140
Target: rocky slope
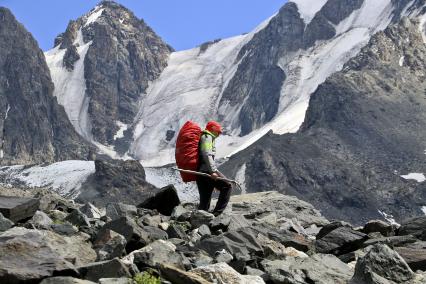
pixel 363 132
pixel 101 65
pixel 33 126
pixel 261 238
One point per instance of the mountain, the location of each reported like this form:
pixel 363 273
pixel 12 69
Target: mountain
pixel 363 134
pixel 33 126
pixel 101 65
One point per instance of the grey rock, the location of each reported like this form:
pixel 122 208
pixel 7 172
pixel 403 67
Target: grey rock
pixel 394 241
pixel 316 269
pixel 180 276
pixel 414 226
pixel 291 239
pixel 148 220
pixel 114 268
pixel 5 224
pixel 115 181
pixel 200 217
pixel 70 57
pixel 156 253
pixel 340 241
pixel 41 220
pixel 180 213
pixel 382 227
pixel 64 229
pixel 18 208
pixel 109 245
pixel 414 254
pixel 220 222
pixel 118 210
pixel 65 280
pixel 91 211
pixel 204 231
pixel 223 273
pixel 77 218
pixel 176 230
pixel 330 227
pixel 114 280
pixel 163 200
pixel 223 256
pixel 381 264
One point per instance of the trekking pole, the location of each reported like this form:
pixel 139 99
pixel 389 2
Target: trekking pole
pixel 207 175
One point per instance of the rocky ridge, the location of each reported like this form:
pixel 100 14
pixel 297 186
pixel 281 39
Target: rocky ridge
pixel 261 238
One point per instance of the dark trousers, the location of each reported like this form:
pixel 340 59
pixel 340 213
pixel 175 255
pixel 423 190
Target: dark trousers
pixel 206 186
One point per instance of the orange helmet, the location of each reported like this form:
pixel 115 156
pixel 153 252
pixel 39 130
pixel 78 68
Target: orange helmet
pixel 214 126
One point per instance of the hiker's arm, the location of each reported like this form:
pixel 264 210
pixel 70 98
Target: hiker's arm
pixel 207 153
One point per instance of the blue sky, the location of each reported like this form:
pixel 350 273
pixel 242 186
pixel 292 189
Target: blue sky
pixel 181 23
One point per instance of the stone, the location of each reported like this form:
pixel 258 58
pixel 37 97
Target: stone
pixel 118 210
pixel 414 254
pixel 109 245
pixel 200 217
pixel 237 222
pixel 291 239
pixel 148 220
pixel 121 280
pixel 28 256
pixel 155 233
pixel 381 264
pixel 164 226
pixel 331 227
pixel 220 222
pixel 271 249
pixel 65 280
pixel 223 273
pixel 394 241
pixel 223 256
pixel 41 220
pixel 176 230
pixel 5 224
pixel 204 231
pixel 179 276
pixel 91 211
pixel 64 229
pixel 340 241
pixel 180 213
pixel 18 208
pixel 164 200
pixel 77 218
pixel 156 253
pixel 380 226
pixel 318 268
pixel 114 268
pixel 57 215
pixel 413 226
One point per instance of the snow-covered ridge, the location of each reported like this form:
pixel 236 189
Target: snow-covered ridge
pixel 309 8
pixel 64 178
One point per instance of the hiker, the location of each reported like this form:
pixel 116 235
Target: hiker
pixel 206 185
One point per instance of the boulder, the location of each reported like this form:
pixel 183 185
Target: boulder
pixel 156 253
pixel 179 276
pixel 121 280
pixel 222 273
pixel 28 256
pixel 5 224
pixel 64 229
pixel 220 222
pixel 200 217
pixel 340 241
pixel 40 220
pixel 164 200
pixel 181 213
pixel 91 211
pixel 148 220
pixel 319 268
pixel 380 226
pixel 118 210
pixel 65 280
pixel 114 268
pixel 413 226
pixel 223 256
pixel 109 245
pixel 204 231
pixel 177 230
pixel 291 239
pixel 381 265
pixel 77 218
pixel 331 227
pixel 414 254
pixel 394 241
pixel 18 208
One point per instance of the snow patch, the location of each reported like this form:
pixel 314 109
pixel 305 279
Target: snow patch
pixel 422 27
pixel 7 112
pixel 419 177
pixel 240 177
pixel 64 178
pixel 424 210
pixel 309 8
pixel 93 16
pixel 70 87
pixel 401 61
pixel 161 177
pixel 120 132
pixel 389 218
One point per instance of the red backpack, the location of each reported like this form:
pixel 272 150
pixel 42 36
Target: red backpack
pixel 187 149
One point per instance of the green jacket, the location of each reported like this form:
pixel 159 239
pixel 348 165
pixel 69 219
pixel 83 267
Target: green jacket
pixel 207 153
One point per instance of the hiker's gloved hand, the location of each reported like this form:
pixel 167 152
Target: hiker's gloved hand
pixel 214 175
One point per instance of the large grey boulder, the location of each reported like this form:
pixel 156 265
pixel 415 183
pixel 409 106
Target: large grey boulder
pixel 163 200
pixel 18 208
pixel 109 245
pixel 380 226
pixel 414 254
pixel 318 268
pixel 91 211
pixel 200 217
pixel 179 276
pixel 5 224
pixel 41 220
pixel 413 226
pixel 340 241
pixel 381 265
pixel 29 256
pixel 77 218
pixel 118 210
pixel 114 268
pixel 222 273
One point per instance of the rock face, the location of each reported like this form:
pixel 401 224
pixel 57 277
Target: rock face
pixel 34 128
pixel 121 55
pixel 116 181
pixel 18 208
pixel 356 140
